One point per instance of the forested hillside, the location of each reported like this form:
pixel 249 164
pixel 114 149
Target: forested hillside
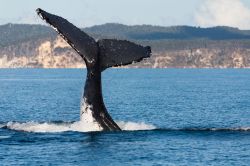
pixel 177 46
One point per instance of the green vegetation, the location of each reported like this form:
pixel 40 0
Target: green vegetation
pixel 12 34
pixel 160 38
pixel 148 32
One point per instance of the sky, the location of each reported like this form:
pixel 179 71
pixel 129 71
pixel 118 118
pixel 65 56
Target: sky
pixel 85 13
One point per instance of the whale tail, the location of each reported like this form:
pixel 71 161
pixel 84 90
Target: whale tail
pixel 98 56
pixel 110 52
pixel 120 52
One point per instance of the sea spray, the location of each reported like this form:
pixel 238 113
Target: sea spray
pixel 131 126
pixel 78 126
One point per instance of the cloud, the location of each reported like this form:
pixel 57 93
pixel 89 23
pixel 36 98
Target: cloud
pixel 223 13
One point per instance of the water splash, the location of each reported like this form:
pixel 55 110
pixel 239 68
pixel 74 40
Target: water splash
pixel 87 116
pixel 131 126
pixel 79 126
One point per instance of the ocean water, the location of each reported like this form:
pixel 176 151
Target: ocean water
pixel 168 117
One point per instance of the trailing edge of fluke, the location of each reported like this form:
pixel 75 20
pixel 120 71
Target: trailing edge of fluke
pixel 98 55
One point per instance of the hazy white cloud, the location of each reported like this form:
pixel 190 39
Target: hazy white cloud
pixel 223 12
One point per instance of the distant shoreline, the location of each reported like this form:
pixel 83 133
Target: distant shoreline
pixel 38 46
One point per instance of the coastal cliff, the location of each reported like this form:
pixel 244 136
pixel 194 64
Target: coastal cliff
pixel 42 48
pixel 41 54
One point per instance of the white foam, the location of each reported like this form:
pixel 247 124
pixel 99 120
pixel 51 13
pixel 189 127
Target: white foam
pixel 79 126
pixel 131 126
pixel 52 127
pixel 232 129
pixel 36 127
pixel 244 128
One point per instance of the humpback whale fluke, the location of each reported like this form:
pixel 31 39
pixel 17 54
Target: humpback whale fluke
pixel 98 56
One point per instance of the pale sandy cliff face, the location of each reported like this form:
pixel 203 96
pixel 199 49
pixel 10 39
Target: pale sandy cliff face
pixel 202 58
pixel 199 58
pixel 48 54
pixel 56 53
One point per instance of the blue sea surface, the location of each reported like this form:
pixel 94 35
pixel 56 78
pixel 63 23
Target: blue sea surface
pixel 188 117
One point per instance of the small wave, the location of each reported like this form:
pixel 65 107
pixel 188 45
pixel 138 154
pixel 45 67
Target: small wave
pixel 2 126
pixel 226 129
pixel 79 126
pixel 207 129
pixel 4 137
